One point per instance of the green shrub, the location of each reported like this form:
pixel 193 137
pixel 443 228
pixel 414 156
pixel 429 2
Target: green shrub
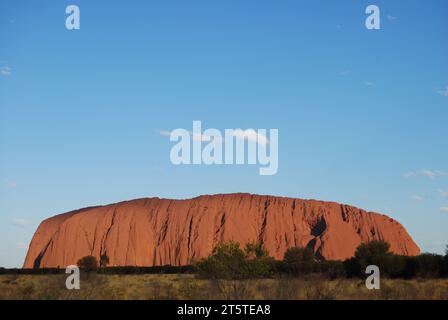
pixel 377 253
pixel 299 260
pixel 429 265
pixel 426 265
pixel 332 269
pixel 88 263
pixel 298 255
pixel 352 268
pixel 229 261
pixel 444 271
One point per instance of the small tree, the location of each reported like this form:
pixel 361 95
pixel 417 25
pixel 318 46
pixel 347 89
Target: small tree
pixel 298 255
pixel 445 264
pixel 299 260
pixel 258 264
pixel 226 261
pixel 376 252
pixel 255 250
pixel 411 267
pixel 430 265
pixel 352 268
pixel 372 250
pixel 88 264
pixel 229 261
pixel 104 260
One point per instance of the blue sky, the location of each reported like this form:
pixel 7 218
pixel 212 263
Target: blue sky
pixel 361 113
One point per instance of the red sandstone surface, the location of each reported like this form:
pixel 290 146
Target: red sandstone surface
pixel 153 231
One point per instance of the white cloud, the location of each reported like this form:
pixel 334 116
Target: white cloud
pixel 391 17
pixel 252 135
pixel 22 222
pixel 443 193
pixel 11 184
pixel 249 134
pixel 344 73
pixel 432 174
pixel 418 198
pixel 443 92
pixel 201 137
pixel 444 209
pixel 5 71
pixel 165 133
pixel 368 83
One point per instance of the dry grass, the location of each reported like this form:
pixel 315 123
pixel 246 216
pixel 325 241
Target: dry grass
pixel 181 286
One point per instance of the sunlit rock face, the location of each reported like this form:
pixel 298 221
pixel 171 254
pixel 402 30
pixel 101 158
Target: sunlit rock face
pixel 153 231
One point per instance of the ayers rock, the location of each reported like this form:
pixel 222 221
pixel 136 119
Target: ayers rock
pixel 153 231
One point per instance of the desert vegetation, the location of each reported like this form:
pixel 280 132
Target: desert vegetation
pixel 188 286
pixel 229 261
pixel 232 272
